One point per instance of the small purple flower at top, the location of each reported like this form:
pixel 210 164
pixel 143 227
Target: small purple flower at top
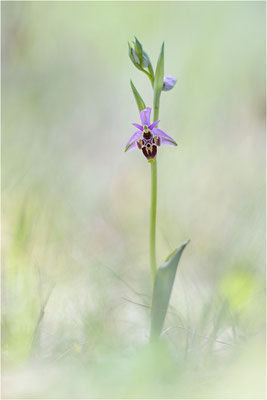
pixel 148 137
pixel 168 82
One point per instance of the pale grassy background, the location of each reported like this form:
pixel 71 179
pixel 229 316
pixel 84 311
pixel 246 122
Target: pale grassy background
pixel 75 208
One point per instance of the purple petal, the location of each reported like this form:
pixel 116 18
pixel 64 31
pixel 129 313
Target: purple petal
pixel 133 139
pixel 153 125
pixel 145 116
pixel 167 142
pixel 131 147
pixel 163 135
pixel 139 127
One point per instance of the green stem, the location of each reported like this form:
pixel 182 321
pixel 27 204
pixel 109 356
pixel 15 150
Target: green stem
pixel 153 205
pixel 150 77
pixel 153 214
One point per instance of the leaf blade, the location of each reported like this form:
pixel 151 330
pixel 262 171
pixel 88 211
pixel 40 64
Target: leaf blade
pixel 159 76
pixel 139 101
pixel 162 291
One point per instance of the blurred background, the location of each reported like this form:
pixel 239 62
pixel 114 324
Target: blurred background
pixel 76 285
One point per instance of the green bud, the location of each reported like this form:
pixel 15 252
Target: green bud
pixel 138 48
pixel 140 59
pixel 134 58
pixel 145 60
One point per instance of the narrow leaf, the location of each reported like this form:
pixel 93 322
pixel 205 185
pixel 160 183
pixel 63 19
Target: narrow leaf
pixel 139 101
pixel 159 76
pixel 164 280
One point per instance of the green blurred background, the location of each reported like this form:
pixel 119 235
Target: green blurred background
pixel 75 208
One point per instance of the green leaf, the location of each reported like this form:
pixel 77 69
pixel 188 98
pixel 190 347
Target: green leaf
pixel 159 76
pixel 164 280
pixel 139 101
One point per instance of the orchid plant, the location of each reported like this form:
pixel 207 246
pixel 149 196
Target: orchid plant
pixel 148 138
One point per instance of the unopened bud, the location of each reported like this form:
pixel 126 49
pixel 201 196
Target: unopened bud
pixel 168 83
pixel 140 58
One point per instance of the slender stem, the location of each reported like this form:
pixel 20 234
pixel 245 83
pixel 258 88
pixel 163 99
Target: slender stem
pixel 153 215
pixel 150 77
pixel 156 110
pixel 153 205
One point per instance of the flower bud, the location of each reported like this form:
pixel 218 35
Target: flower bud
pixel 134 57
pixel 138 48
pixel 168 83
pixel 140 58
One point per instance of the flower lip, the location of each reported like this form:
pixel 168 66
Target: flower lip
pixel 150 152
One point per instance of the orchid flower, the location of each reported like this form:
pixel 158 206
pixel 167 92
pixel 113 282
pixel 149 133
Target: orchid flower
pixel 148 137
